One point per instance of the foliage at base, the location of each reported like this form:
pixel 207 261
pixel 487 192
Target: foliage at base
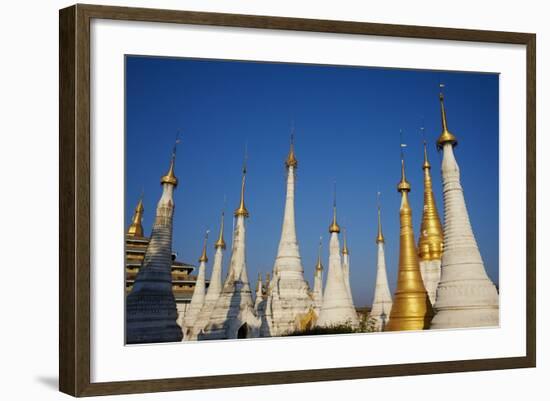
pixel 333 329
pixel 366 325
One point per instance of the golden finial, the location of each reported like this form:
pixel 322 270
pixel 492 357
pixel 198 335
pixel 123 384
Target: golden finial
pixel 220 243
pixel 319 265
pixel 426 164
pixel 403 185
pixel 291 160
pixel 241 210
pixel 170 177
pixel 136 229
pixel 203 257
pixel 380 236
pixel 446 136
pixel 334 227
pixel 345 250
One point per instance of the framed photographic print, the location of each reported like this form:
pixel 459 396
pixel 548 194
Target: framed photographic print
pixel 250 200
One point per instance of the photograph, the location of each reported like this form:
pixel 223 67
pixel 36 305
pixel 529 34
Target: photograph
pixel 277 199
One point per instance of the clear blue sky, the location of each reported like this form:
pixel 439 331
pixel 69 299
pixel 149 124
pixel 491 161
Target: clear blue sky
pixel 347 122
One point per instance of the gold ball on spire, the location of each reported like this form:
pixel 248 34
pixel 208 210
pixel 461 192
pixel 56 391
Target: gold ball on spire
pixel 170 177
pixel 345 250
pixel 403 185
pixel 203 257
pixel 291 160
pixel 446 136
pixel 220 243
pixel 334 227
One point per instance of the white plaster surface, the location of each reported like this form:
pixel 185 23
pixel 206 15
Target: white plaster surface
pixel 289 298
pixel 466 297
pixel 382 301
pixel 234 307
pixel 431 274
pixel 197 302
pixel 212 295
pixel 337 307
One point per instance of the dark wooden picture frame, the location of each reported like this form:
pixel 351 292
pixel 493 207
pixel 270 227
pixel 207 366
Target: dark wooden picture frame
pixel 74 202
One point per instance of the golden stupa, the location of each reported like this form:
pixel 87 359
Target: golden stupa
pixel 430 243
pixel 136 229
pixel 411 309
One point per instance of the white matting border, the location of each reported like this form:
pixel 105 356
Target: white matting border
pixel 112 361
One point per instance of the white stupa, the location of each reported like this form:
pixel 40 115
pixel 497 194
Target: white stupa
pixel 337 307
pixel 259 300
pixel 214 288
pixel 234 315
pixel 197 300
pixel 289 296
pixel 266 316
pixel 382 301
pixel 466 297
pixel 345 265
pixel 150 307
pixel 317 293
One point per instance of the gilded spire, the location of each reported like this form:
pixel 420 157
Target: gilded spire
pixel 403 185
pixel 170 176
pixel 136 229
pixel 319 265
pixel 446 136
pixel 411 309
pixel 241 210
pixel 220 243
pixel 430 243
pixel 291 160
pixel 379 236
pixel 345 250
pixel 203 257
pixel 334 227
pixel 426 165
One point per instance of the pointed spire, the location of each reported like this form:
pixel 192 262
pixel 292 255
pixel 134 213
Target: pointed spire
pixel 403 185
pixel 136 229
pixel 203 257
pixel 220 243
pixel 446 136
pixel 291 160
pixel 430 242
pixel 411 309
pixel 345 250
pixel 241 210
pixel 319 265
pixel 259 284
pixel 426 165
pixel 170 176
pixel 379 236
pixel 334 227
